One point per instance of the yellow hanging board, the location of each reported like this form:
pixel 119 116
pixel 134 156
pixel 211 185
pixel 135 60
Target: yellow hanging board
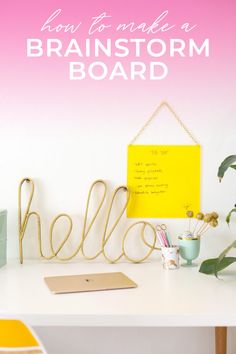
pixel 164 180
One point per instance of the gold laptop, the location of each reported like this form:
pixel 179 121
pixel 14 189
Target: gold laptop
pixel 88 282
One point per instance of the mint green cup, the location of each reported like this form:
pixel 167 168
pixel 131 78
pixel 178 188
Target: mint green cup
pixel 189 250
pixel 3 238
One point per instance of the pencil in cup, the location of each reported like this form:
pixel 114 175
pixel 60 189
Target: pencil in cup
pixel 163 236
pixel 169 252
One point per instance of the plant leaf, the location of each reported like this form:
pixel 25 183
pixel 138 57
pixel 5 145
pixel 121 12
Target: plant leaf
pixel 233 166
pixel 226 250
pixel 209 266
pixel 228 217
pixel 222 256
pixel 225 165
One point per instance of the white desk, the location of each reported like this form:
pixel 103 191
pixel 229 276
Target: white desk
pixel 181 297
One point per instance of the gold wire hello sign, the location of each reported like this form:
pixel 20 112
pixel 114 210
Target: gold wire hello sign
pixel 23 220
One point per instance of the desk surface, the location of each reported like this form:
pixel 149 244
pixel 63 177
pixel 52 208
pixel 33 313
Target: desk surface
pixel 181 297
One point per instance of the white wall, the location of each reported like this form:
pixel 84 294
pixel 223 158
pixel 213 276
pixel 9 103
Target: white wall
pixel 64 157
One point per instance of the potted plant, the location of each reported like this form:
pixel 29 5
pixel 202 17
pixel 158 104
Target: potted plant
pixel 214 265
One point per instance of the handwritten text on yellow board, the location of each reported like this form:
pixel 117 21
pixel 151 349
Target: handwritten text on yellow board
pixel 164 180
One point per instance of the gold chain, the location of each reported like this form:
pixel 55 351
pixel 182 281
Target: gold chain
pixel 155 113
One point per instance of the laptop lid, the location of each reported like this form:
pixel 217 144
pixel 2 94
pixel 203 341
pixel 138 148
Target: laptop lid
pixel 88 282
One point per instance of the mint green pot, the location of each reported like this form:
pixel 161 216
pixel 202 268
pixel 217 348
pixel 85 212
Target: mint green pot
pixel 3 238
pixel 189 250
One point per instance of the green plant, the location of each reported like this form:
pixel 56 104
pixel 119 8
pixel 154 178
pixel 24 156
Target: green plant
pixel 214 265
pixel 227 163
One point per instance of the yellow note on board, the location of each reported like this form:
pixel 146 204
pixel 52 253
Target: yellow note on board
pixel 164 180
